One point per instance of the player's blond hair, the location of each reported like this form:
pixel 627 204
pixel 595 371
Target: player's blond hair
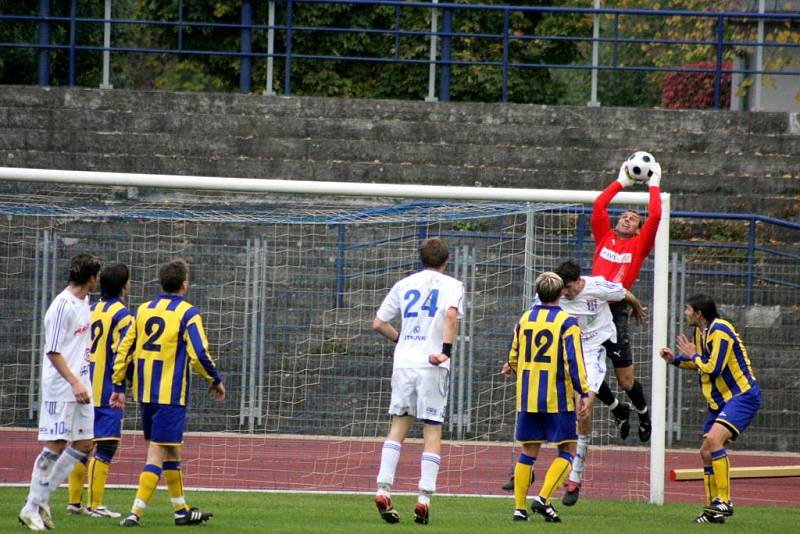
pixel 549 286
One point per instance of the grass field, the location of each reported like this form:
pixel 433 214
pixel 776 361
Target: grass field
pixel 279 512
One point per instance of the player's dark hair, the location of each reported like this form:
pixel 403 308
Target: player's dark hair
pixel 172 275
pixel 548 287
pixel 82 267
pixel 433 253
pixel 112 279
pixel 705 305
pixel 569 271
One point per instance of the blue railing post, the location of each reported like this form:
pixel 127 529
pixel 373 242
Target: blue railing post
pixel 246 46
pixel 73 14
pixel 447 54
pixel 580 238
pixel 44 40
pixel 504 97
pixel 751 259
pixel 718 70
pixel 340 241
pixel 287 65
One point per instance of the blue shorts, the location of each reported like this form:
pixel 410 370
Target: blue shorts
pixel 737 413
pixel 163 423
pixel 107 422
pixel 539 427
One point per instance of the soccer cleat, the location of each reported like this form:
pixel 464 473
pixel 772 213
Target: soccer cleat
pixel 101 511
pixel 623 421
pixel 131 521
pixel 644 430
pixel 572 491
pixel 76 509
pixel 421 513
pixel 718 506
pixel 707 517
pixel 384 505
pixel 520 515
pixel 192 516
pixel 30 518
pixel 546 510
pixel 508 486
pixel 47 517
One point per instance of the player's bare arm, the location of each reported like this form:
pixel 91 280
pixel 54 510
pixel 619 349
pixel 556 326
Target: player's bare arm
pixel 385 329
pixel 685 346
pixel 78 389
pixel 217 391
pixel 638 312
pixel 448 336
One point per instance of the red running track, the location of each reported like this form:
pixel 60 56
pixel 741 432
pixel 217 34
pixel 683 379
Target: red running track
pixel 348 465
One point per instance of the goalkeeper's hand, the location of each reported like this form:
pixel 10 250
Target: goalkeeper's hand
pixel 623 178
pixel 655 180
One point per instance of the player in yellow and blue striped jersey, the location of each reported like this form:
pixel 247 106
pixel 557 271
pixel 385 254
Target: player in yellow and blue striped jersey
pixel 547 356
pixel 111 322
pixel 169 340
pixel 730 388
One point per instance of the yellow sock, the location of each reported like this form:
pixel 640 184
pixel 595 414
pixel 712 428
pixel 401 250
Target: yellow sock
pixel 523 475
pixel 98 475
pixel 174 478
pixel 709 483
pixel 148 481
pixel 722 474
pixel 556 475
pixel 75 495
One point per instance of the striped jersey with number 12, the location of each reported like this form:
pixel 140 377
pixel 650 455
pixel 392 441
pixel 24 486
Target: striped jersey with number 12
pixel 547 355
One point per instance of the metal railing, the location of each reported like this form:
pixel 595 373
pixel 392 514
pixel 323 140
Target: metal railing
pixel 442 39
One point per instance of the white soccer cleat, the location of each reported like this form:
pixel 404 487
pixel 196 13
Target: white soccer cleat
pixel 102 511
pixel 47 517
pixel 76 509
pixel 30 518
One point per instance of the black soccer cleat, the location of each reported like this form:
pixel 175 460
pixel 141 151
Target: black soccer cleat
pixel 572 491
pixel 718 506
pixel 384 505
pixel 520 515
pixel 546 510
pixel 708 517
pixel 622 416
pixel 192 516
pixel 131 521
pixel 508 486
pixel 645 428
pixel 421 511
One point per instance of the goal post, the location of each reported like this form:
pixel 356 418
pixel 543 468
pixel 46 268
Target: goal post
pixel 498 230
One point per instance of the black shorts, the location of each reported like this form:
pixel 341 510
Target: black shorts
pixel 620 352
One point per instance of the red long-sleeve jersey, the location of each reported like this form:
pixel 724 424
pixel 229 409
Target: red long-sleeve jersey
pixel 617 259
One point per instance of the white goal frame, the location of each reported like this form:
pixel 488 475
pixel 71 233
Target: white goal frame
pixel 255 185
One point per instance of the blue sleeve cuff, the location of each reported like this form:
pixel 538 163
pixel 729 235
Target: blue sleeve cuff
pixel 217 379
pixel 584 395
pixel 119 388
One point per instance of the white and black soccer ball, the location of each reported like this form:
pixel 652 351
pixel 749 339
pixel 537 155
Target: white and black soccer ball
pixel 639 166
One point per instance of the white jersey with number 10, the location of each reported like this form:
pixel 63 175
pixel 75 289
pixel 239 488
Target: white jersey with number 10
pixel 421 300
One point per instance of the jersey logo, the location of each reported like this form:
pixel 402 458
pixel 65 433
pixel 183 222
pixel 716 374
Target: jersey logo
pixel 614 257
pixel 592 304
pixel 81 330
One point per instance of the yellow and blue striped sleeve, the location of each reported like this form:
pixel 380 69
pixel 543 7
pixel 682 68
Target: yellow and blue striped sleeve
pixel 712 362
pixel 513 351
pixel 124 355
pixel 573 352
pixel 197 347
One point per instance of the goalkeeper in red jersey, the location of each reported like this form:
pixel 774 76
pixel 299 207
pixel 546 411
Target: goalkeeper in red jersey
pixel 618 257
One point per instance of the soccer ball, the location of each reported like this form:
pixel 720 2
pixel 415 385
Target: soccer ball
pixel 639 166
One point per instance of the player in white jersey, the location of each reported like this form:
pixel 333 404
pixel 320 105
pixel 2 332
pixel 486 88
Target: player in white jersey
pixel 429 303
pixel 587 298
pixel 66 417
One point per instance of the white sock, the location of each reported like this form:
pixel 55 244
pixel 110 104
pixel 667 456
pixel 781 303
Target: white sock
pixel 613 404
pixel 579 462
pixel 60 471
pixel 389 459
pixel 41 472
pixel 429 471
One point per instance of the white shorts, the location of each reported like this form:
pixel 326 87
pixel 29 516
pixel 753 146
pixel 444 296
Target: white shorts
pixel 594 357
pixel 66 420
pixel 421 393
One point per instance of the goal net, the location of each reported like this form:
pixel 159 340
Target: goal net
pixel 288 282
